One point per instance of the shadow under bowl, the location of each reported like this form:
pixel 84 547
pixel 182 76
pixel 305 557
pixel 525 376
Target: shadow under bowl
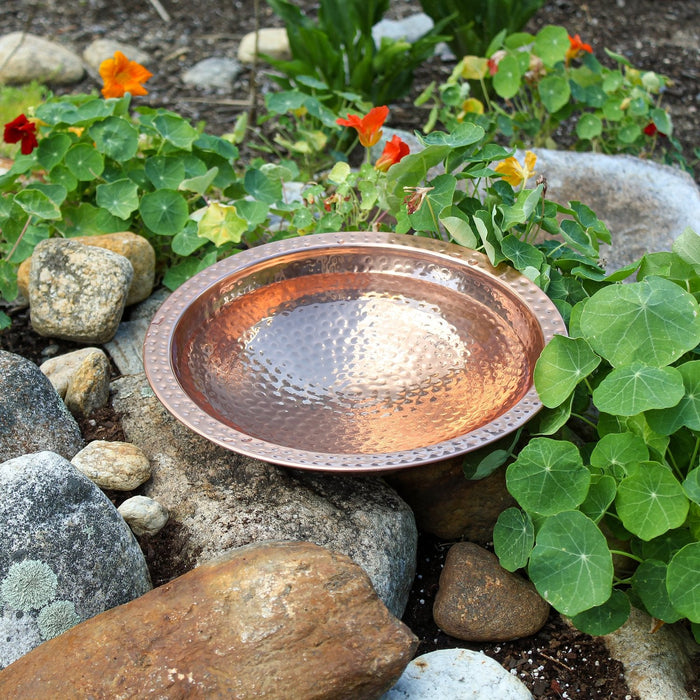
pixel 351 352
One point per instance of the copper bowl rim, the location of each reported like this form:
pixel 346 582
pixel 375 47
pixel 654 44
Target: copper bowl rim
pixel 162 375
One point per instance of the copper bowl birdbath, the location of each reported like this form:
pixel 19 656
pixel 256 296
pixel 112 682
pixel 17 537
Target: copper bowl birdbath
pixel 351 352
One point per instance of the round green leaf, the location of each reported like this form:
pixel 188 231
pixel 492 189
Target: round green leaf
pixel 571 565
pixel 614 451
pixel 513 537
pixel 551 44
pixel 116 138
pixel 651 501
pixel 589 126
pixel 176 130
pixel 262 187
pixel 119 198
pixel 605 618
pixel 683 581
pixel 548 477
pixel 634 388
pixel 687 411
pixel 506 82
pixel 165 172
pixel 564 362
pixel 665 546
pixel 52 150
pixel 653 321
pixel 552 419
pixel 84 162
pixel 554 92
pixel 221 224
pixel 649 583
pixel 187 241
pixel 601 493
pixel 691 485
pixel 521 253
pixel 164 212
pixel 38 204
pixel 629 133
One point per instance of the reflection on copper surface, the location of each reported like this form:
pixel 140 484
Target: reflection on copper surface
pixel 350 350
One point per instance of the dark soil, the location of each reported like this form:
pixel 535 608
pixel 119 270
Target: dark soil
pixel 558 662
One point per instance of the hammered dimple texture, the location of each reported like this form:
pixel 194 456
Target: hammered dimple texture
pixel 351 352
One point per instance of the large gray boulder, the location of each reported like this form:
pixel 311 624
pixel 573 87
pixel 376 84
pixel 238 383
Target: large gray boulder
pixel 218 500
pixel 32 415
pixel 66 553
pixel 25 57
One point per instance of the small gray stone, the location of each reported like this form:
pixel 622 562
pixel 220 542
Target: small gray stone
pixel 66 553
pixel 102 49
pixel 144 515
pixel 32 415
pixel 457 674
pixel 77 292
pixel 118 466
pixel 272 41
pixel 26 57
pixel 214 73
pixel 409 28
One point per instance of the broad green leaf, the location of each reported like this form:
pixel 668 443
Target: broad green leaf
pixel 464 134
pixel 521 254
pixel 263 187
pixel 605 618
pixel 176 131
pixel 554 92
pixel 687 246
pixel 339 173
pixel 632 389
pixel 651 501
pixel 589 126
pixel 52 150
pixel 571 565
pixel 683 581
pixel 88 220
pixel 165 212
pixel 551 44
pixel 691 485
pixel 614 451
pixel 550 420
pixel 629 133
pixel 439 198
pixel 548 477
pixel 649 583
pixel 579 238
pixel 653 321
pixel 165 172
pixel 216 144
pixel 687 410
pixel 84 162
pixel 187 241
pixel 200 183
pixel 513 538
pixel 221 224
pixel 601 493
pixel 119 198
pixel 665 546
pixel 116 138
pixel 519 212
pixel 255 213
pixel 507 81
pixel 457 225
pixel 37 203
pixel 563 363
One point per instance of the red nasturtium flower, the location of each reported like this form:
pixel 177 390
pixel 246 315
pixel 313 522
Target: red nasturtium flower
pixel 121 75
pixel 576 46
pixel 369 127
pixel 393 152
pixel 650 129
pixel 21 129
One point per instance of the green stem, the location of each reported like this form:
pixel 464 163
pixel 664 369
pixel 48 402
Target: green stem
pixel 627 554
pixel 19 239
pixel 584 419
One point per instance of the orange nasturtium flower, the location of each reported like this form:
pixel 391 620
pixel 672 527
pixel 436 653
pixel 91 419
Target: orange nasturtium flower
pixel 393 152
pixel 121 75
pixel 576 46
pixel 514 173
pixel 369 127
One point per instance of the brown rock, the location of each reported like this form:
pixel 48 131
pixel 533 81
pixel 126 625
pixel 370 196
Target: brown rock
pixel 273 620
pixel 450 506
pixel 135 248
pixel 479 601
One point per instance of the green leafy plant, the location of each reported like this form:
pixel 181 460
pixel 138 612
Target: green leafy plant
pixel 335 57
pixel 473 24
pixel 550 87
pixel 612 466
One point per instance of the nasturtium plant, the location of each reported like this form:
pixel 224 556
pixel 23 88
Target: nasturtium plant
pixel 620 474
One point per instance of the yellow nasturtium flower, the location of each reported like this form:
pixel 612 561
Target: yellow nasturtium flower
pixel 514 173
pixel 470 106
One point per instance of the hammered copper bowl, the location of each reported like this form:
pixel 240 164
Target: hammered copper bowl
pixel 351 352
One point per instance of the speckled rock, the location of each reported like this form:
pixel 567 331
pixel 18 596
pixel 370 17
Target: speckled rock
pixel 26 57
pixel 143 515
pixel 213 73
pixel 118 466
pixel 32 415
pixel 81 378
pixel 66 553
pixel 77 292
pixel 480 601
pixel 135 248
pixel 219 499
pixel 102 49
pixel 457 674
pixel 275 620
